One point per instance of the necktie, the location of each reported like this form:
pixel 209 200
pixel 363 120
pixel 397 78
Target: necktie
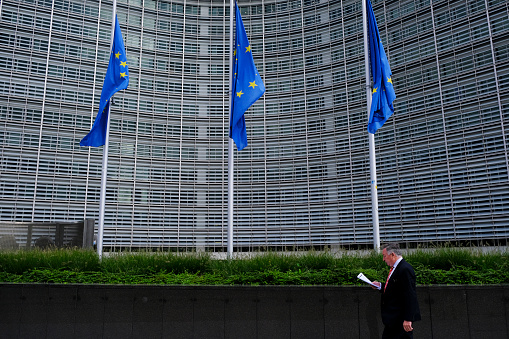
pixel 387 281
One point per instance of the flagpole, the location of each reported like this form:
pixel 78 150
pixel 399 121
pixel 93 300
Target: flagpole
pixel 372 157
pixel 104 171
pixel 230 143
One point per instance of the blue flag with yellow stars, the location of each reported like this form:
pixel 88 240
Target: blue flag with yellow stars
pixel 383 91
pixel 117 78
pixel 247 84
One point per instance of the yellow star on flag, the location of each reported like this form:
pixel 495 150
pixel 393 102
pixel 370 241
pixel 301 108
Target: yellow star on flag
pixel 118 55
pixel 374 90
pixel 389 80
pixel 248 48
pixel 122 75
pixel 252 84
pixel 123 63
pixel 239 94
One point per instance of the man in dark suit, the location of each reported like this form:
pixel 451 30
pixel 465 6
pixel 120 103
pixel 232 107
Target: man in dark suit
pixel 399 297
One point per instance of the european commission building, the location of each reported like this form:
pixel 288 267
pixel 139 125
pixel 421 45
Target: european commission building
pixel 303 180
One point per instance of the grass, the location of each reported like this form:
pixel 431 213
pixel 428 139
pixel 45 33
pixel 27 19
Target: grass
pixel 71 260
pixel 439 266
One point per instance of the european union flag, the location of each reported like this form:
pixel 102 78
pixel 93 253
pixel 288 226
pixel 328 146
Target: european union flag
pixel 247 84
pixel 117 78
pixel 383 91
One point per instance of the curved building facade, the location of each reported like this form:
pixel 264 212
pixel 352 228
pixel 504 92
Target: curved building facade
pixel 442 158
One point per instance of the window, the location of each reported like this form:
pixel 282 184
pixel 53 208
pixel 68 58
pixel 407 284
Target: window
pixel 314 81
pixel 217 69
pixel 314 60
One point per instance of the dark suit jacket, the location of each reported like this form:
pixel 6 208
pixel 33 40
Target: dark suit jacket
pixel 399 301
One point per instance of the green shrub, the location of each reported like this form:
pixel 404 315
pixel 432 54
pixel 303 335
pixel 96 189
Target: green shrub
pixel 56 259
pixel 150 263
pixel 440 266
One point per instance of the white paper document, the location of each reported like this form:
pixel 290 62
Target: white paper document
pixel 366 280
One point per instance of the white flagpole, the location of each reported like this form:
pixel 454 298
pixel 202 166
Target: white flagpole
pixel 372 158
pixel 104 171
pixel 230 144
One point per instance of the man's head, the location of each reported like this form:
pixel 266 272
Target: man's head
pixel 391 253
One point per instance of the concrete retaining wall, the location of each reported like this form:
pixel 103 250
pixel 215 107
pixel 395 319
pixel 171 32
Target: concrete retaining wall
pixel 96 311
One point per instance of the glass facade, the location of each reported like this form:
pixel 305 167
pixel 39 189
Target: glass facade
pixel 442 159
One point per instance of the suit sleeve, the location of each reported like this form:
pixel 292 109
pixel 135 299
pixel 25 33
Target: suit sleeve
pixel 410 295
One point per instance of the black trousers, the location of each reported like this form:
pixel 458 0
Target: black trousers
pixel 397 332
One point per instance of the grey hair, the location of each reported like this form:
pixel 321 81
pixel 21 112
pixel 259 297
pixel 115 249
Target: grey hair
pixel 392 248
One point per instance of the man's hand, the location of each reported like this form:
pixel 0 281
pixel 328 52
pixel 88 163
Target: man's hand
pixel 377 284
pixel 407 326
